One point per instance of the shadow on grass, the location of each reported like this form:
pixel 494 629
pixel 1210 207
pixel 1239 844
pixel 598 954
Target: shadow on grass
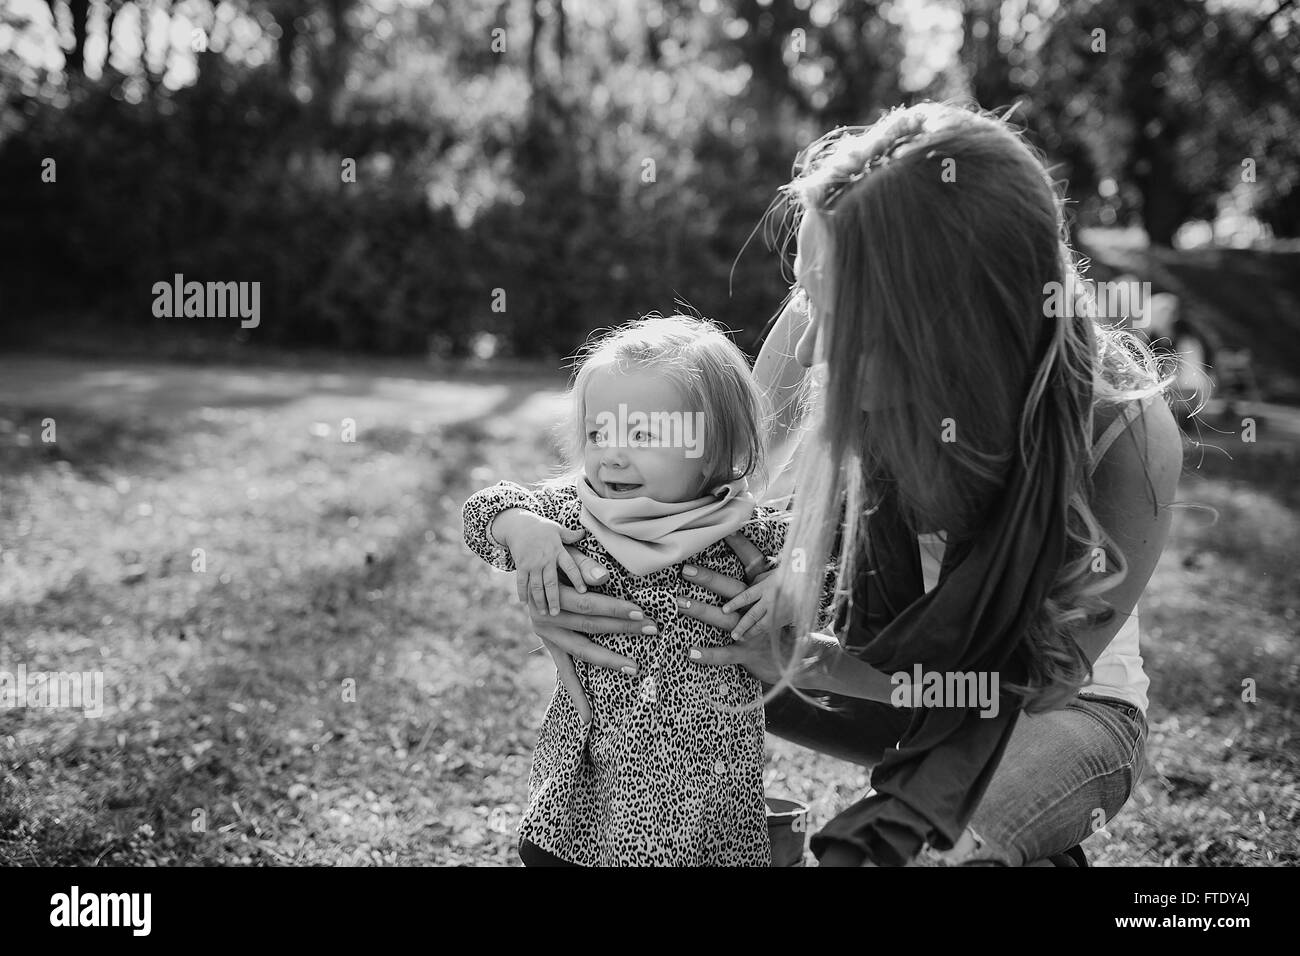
pixel 249 726
pixel 93 445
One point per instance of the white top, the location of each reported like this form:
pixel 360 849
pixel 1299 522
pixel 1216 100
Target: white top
pixel 1117 672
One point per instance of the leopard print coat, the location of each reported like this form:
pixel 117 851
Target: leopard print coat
pixel 660 777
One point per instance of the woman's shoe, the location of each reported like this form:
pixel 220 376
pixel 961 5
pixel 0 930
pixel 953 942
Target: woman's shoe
pixel 1074 856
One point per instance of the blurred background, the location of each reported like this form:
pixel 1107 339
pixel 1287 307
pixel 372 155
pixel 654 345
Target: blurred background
pixel 440 201
pixel 597 159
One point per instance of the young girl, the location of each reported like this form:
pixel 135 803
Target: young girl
pixel 668 426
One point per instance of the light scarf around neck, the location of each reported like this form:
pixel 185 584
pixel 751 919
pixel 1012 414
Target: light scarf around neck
pixel 644 535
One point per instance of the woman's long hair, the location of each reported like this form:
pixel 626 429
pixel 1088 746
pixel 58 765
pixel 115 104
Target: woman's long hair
pixel 945 235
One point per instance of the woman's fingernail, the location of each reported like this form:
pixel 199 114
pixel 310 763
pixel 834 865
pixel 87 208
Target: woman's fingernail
pixel 636 616
pixel 649 629
pixel 683 603
pixel 554 611
pixel 727 607
pixel 598 573
pixel 688 570
pixel 628 669
pixel 695 654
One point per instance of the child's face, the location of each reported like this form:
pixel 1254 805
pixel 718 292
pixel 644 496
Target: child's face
pixel 640 438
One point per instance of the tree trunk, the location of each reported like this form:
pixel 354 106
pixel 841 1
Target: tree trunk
pixel 114 8
pixel 1153 165
pixel 74 60
pixel 989 71
pixel 535 21
pixel 285 13
pixel 152 79
pixel 561 32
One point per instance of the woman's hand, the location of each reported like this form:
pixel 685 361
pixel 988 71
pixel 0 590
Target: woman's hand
pixel 594 614
pixel 757 652
pixel 827 667
pixel 758 647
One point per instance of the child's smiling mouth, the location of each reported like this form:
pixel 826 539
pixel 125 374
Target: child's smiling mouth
pixel 621 487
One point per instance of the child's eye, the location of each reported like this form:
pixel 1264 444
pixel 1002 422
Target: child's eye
pixel 595 438
pixel 639 437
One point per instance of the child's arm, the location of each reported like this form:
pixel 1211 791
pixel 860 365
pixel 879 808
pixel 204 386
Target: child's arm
pixel 514 529
pixel 766 532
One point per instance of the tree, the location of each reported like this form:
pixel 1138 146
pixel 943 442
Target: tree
pixel 74 56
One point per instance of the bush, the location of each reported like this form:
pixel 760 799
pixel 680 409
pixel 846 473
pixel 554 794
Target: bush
pixel 234 179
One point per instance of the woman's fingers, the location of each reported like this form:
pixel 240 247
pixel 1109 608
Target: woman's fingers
pixel 755 653
pixel 595 605
pixel 594 613
pixel 589 602
pixel 719 584
pixel 569 678
pixel 584 649
pixel 718 656
pixel 596 624
pixel 707 613
pixel 592 570
pixel 744 598
pixel 572 571
pixel 752 617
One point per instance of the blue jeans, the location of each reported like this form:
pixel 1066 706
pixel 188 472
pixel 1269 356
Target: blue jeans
pixel 1063 774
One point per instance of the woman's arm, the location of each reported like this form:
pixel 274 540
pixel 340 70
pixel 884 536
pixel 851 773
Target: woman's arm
pixel 1133 488
pixel 835 671
pixel 779 375
pixel 828 667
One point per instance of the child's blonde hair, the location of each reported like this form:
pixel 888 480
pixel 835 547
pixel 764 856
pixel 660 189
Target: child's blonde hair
pixel 709 370
pixel 945 231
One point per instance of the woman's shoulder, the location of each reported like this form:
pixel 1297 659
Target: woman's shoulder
pixel 1137 438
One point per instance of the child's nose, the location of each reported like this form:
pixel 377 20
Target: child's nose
pixel 615 456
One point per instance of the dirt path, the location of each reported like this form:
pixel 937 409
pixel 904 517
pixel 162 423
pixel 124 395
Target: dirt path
pixel 377 391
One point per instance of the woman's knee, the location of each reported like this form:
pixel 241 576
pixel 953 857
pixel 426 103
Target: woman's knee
pixel 1067 775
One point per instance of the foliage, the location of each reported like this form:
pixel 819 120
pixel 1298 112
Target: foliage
pixel 525 167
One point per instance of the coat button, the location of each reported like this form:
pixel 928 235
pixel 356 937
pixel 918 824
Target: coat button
pixel 720 767
pixel 724 688
pixel 649 691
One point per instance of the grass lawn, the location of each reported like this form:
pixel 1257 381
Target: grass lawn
pixel 231 733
